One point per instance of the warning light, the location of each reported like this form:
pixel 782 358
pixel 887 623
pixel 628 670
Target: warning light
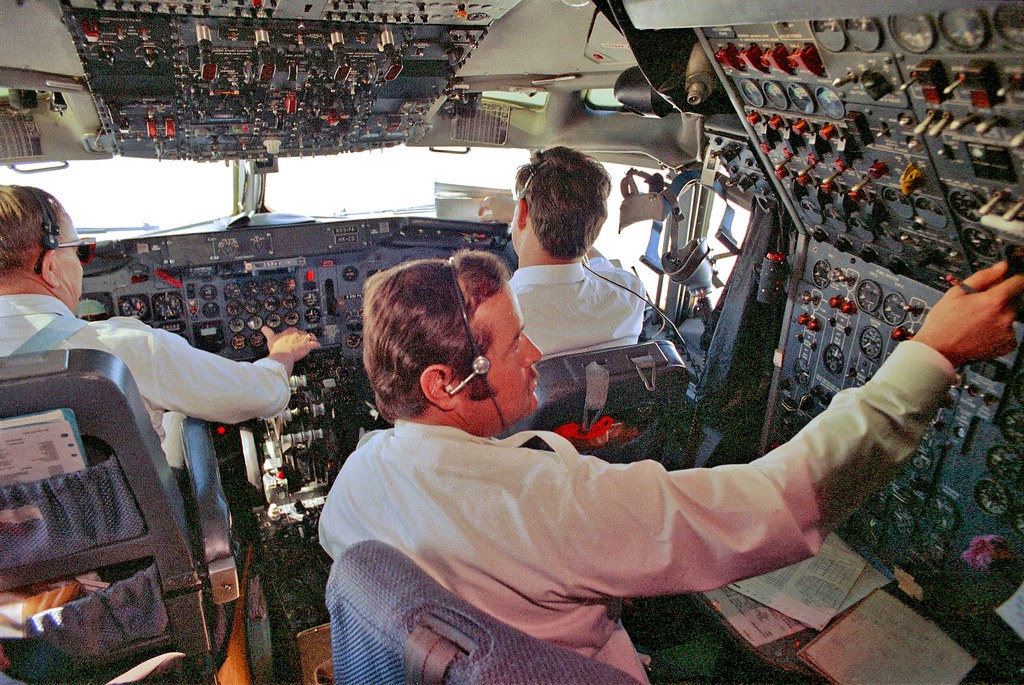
pixel 310 276
pixel 221 430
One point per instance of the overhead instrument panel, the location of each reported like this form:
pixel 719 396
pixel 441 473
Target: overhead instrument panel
pixel 248 80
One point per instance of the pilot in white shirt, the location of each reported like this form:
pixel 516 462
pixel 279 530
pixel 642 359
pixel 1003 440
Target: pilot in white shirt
pixel 568 303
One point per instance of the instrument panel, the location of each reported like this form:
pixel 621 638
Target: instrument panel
pixel 219 289
pixel 896 143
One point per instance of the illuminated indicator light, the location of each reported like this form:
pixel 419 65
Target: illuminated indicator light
pixel 139 278
pixel 803 319
pixel 754 118
pixel 814 325
pixel 332 117
pixel 393 72
pixel 775 122
pixel 598 56
pixel 167 278
pixel 151 127
pixel 310 275
pixel 932 94
pixel 91 29
pixel 280 475
pixel 221 430
pixel 291 103
pixel 849 308
pixel 258 4
pixel 835 301
pixel 980 98
pixel 169 128
pixel 209 71
pixel 267 71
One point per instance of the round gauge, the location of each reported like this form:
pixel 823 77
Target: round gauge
pixel 965 29
pixel 801 98
pixel 233 307
pixel 168 306
pixel 830 34
pixel 289 301
pixel 236 325
pixel 894 309
pixel 238 342
pixel 1005 463
pixel 750 92
pixel 313 315
pixel 288 285
pixel 991 497
pixel 965 203
pixel 775 94
pixel 820 273
pixel 351 273
pixel 273 320
pixel 903 519
pixel 291 318
pixel 133 305
pixel 271 304
pixel 801 371
pixel 269 286
pixel 869 295
pixel 830 102
pixel 931 212
pixel 92 309
pixel 914 32
pixel 980 242
pixel 898 203
pixel 871 342
pixel 833 359
pixel 253 306
pixel 864 33
pixel 253 323
pixel 211 310
pixel 257 340
pixel 251 288
pixel 311 299
pixel 1010 23
pixel 353 340
pixel 208 292
pixel 1012 425
pixel 232 291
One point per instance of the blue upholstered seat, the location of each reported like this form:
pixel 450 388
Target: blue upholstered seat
pixel 392 623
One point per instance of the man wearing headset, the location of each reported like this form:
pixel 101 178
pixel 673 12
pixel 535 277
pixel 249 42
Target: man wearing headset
pixel 572 298
pixel 41 282
pixel 547 540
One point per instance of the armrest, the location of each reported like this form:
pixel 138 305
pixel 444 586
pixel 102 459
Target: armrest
pixel 212 508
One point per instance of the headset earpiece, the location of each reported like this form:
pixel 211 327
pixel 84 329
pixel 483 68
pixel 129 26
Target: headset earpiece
pixel 51 229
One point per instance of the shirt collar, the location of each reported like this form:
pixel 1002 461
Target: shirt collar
pixel 548 274
pixel 23 305
pixel 413 429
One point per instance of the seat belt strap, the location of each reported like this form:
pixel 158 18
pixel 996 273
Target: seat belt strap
pixel 59 329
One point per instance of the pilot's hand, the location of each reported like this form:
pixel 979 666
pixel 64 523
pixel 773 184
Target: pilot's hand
pixel 290 345
pixel 498 209
pixel 966 326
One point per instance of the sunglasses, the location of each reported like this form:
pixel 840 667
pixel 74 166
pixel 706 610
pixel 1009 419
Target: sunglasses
pixel 85 248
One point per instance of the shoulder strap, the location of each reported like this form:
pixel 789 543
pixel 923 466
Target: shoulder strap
pixel 59 329
pixel 556 442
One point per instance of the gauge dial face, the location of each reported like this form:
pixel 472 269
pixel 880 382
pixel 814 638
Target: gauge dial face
pixel 288 285
pixel 1010 23
pixel 776 95
pixel 351 273
pixel 236 325
pixel 991 497
pixel 966 203
pixel 965 29
pixel 250 289
pixel 233 307
pixel 833 359
pixel 254 323
pixel 943 512
pixel 289 301
pixel 168 306
pixel 313 315
pixel 133 305
pixel 830 34
pixel 208 292
pixel 269 286
pixel 211 310
pixel 801 98
pixel 1005 463
pixel 252 306
pixel 257 340
pixel 291 318
pixel 273 320
pixel 820 273
pixel 914 32
pixel 311 298
pixel 894 309
pixel 869 296
pixel 232 291
pixel 830 102
pixel 864 33
pixel 1012 425
pixel 871 342
pixel 751 93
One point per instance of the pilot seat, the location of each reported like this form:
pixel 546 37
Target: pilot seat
pixel 159 557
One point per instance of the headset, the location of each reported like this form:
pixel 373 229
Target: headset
pixel 51 229
pixel 481 364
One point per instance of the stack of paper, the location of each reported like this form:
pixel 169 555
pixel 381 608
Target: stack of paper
pixel 41 445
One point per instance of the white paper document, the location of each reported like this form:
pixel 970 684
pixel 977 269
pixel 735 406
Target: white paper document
pixel 755 622
pixel 1012 611
pixel 812 591
pixel 37 446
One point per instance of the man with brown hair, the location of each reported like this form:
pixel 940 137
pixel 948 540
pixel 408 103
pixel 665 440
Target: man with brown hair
pixel 549 540
pixel 41 282
pixel 572 298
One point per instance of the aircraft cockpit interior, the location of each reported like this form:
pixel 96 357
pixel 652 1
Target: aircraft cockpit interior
pixel 796 183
